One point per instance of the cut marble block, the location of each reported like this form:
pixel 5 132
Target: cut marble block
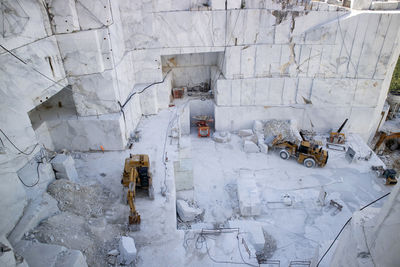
pixel 234 4
pixel 85 52
pixel 64 16
pixel 40 173
pixel 39 254
pixel 127 250
pixel 65 167
pixel 250 147
pixel 217 4
pixel 249 200
pixel 186 212
pixel 37 210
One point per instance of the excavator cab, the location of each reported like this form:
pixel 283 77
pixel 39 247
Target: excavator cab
pixel 390 176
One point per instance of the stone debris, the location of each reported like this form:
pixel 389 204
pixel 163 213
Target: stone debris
pixel 64 167
pixel 221 137
pixel 249 199
pixel 38 210
pixel 245 132
pixel 113 252
pixel 287 128
pixel 250 147
pixel 39 254
pixel 187 213
pixel 82 200
pixel 127 250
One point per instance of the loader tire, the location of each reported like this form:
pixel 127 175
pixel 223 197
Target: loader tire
pixel 284 154
pixel 309 163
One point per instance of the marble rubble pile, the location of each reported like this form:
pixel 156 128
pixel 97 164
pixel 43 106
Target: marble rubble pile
pixel 263 133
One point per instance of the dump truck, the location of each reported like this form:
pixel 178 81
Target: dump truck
pixel 306 153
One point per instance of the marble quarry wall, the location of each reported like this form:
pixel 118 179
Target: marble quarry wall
pixel 312 61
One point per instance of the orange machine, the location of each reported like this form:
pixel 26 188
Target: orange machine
pixel 338 137
pixel 203 129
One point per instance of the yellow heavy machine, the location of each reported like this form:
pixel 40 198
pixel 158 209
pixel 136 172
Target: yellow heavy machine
pixel 338 137
pixel 306 153
pixel 137 175
pixel 383 138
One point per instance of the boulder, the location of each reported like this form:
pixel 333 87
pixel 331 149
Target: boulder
pixel 250 147
pixel 186 212
pixel 127 250
pixel 64 165
pixel 221 137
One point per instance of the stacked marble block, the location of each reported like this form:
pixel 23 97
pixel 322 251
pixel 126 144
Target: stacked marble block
pixel 64 167
pixel 90 39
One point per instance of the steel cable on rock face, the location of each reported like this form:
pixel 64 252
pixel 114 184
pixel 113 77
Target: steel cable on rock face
pixel 19 150
pixel 341 230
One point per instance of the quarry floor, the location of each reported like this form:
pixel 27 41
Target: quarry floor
pixel 301 231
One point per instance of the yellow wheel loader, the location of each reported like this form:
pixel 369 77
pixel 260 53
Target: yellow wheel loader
pixel 306 153
pixel 136 175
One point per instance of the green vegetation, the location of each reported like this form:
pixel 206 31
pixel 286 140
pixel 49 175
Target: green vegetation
pixel 395 84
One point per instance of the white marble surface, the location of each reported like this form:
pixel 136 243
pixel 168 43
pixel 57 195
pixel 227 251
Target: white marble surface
pixel 64 16
pixel 88 133
pixel 31 24
pixel 95 94
pixel 93 14
pixel 148 99
pixel 85 52
pixel 146 66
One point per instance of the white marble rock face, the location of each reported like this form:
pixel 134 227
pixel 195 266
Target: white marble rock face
pixel 94 14
pixel 95 94
pixel 85 52
pixel 64 16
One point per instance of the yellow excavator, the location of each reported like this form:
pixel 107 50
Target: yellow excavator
pixel 306 153
pixel 137 175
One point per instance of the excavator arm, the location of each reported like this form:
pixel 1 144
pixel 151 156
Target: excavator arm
pixel 134 217
pixel 384 137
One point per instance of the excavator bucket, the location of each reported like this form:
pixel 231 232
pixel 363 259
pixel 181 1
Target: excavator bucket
pixel 134 218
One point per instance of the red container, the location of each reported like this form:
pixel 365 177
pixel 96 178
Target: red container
pixel 178 92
